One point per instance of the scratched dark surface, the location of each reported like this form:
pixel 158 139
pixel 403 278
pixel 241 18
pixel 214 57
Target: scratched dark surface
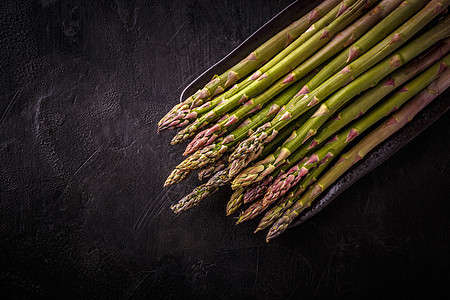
pixel 83 213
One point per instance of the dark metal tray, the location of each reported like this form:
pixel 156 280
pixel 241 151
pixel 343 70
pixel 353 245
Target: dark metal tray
pixel 377 156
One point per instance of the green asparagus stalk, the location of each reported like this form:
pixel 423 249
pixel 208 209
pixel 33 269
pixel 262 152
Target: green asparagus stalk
pixel 183 170
pixel 235 202
pixel 182 117
pixel 250 149
pixel 219 179
pixel 209 171
pixel 262 54
pixel 260 206
pixel 282 184
pixel 284 66
pixel 209 135
pixel 393 20
pixel 252 211
pixel 255 191
pixel 200 159
pixel 177 175
pixel 201 192
pixel 258 190
pixel 203 139
pixel 330 106
pixel 278 141
pixel 347 160
pixel 286 202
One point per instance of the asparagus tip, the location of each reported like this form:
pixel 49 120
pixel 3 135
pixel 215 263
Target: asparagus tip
pixel 272 234
pixel 176 176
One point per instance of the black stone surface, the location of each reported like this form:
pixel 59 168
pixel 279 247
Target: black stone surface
pixel 83 213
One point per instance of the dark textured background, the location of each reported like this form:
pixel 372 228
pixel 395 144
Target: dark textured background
pixel 83 213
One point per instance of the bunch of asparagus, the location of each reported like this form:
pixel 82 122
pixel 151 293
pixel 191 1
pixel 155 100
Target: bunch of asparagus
pixel 275 125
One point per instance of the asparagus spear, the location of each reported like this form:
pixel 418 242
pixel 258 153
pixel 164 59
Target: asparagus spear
pixel 347 160
pixel 286 202
pixel 364 102
pixel 267 79
pixel 258 189
pixel 213 169
pixel 204 138
pixel 209 135
pixel 200 159
pixel 177 175
pixel 201 192
pixel 235 202
pixel 250 149
pixel 259 206
pixel 254 59
pixel 282 184
pixel 182 117
pixel 400 15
